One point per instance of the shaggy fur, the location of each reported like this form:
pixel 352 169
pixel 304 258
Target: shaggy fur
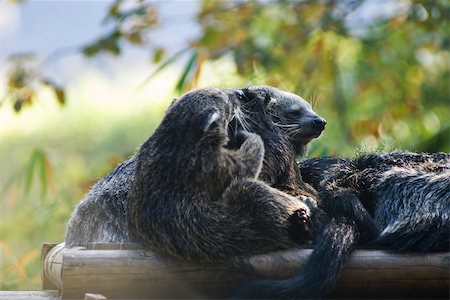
pixel 339 225
pixel 101 216
pixel 403 196
pixel 331 251
pixel 193 198
pixel 286 123
pixel 262 116
pixel 408 194
pixel 398 200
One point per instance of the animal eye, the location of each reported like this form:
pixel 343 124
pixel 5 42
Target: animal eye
pixel 294 113
pixel 242 96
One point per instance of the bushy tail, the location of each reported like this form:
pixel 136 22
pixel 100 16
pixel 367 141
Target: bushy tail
pixel 414 235
pixel 414 211
pixel 318 276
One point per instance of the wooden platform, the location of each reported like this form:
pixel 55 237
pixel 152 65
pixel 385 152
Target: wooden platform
pixel 127 271
pixel 26 295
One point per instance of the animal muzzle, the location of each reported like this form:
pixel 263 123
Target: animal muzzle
pixel 314 127
pixel 318 124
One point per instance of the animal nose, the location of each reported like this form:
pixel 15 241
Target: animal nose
pixel 319 123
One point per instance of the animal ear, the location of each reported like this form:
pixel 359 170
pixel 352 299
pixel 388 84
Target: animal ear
pixel 210 120
pixel 173 102
pixel 243 95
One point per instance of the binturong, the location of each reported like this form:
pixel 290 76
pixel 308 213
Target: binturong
pixel 102 215
pixel 195 197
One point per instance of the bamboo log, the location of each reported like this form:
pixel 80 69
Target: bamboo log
pixel 27 295
pixel 139 273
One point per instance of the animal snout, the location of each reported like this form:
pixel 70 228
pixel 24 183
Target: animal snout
pixel 319 123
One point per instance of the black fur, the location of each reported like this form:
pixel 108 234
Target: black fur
pixel 101 216
pixel 194 198
pixel 399 201
pixel 350 192
pixel 331 251
pixel 407 194
pixel 341 222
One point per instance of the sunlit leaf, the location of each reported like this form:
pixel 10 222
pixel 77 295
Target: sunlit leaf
pixel 164 65
pixel 29 170
pixel 188 70
pixel 158 55
pixel 17 105
pixel 60 95
pixel 42 173
pixel 109 43
pixel 114 9
pixel 38 167
pixel 439 140
pixel 135 38
pixel 57 89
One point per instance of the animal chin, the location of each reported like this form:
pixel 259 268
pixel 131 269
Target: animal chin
pixel 307 137
pixel 317 134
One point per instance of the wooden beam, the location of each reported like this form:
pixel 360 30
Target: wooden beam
pixel 46 282
pixel 27 295
pixel 138 273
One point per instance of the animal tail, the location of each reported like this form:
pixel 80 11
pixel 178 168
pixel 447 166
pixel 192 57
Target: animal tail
pixel 405 236
pixel 320 273
pixel 414 211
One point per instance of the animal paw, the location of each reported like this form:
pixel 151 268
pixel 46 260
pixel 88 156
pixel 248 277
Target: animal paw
pixel 301 216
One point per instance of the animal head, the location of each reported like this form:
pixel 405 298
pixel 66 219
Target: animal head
pixel 200 116
pixel 219 114
pixel 291 113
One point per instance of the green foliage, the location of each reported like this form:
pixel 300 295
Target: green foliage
pixel 381 86
pixel 45 172
pixel 31 192
pixel 379 82
pixel 130 25
pixel 24 80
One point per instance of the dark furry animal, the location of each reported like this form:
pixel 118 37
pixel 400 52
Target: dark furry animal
pixel 399 201
pixel 196 198
pixel 347 224
pixel 101 216
pixel 339 225
pixel 286 123
pixel 408 195
pixel 293 115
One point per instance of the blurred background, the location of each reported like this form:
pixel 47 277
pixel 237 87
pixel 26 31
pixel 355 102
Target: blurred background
pixel 83 83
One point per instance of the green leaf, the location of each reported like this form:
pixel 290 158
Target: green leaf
pixel 30 169
pixel 57 89
pixel 190 67
pixel 164 65
pixel 42 173
pixel 109 43
pixel 158 55
pixel 17 105
pixel 60 95
pixel 38 165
